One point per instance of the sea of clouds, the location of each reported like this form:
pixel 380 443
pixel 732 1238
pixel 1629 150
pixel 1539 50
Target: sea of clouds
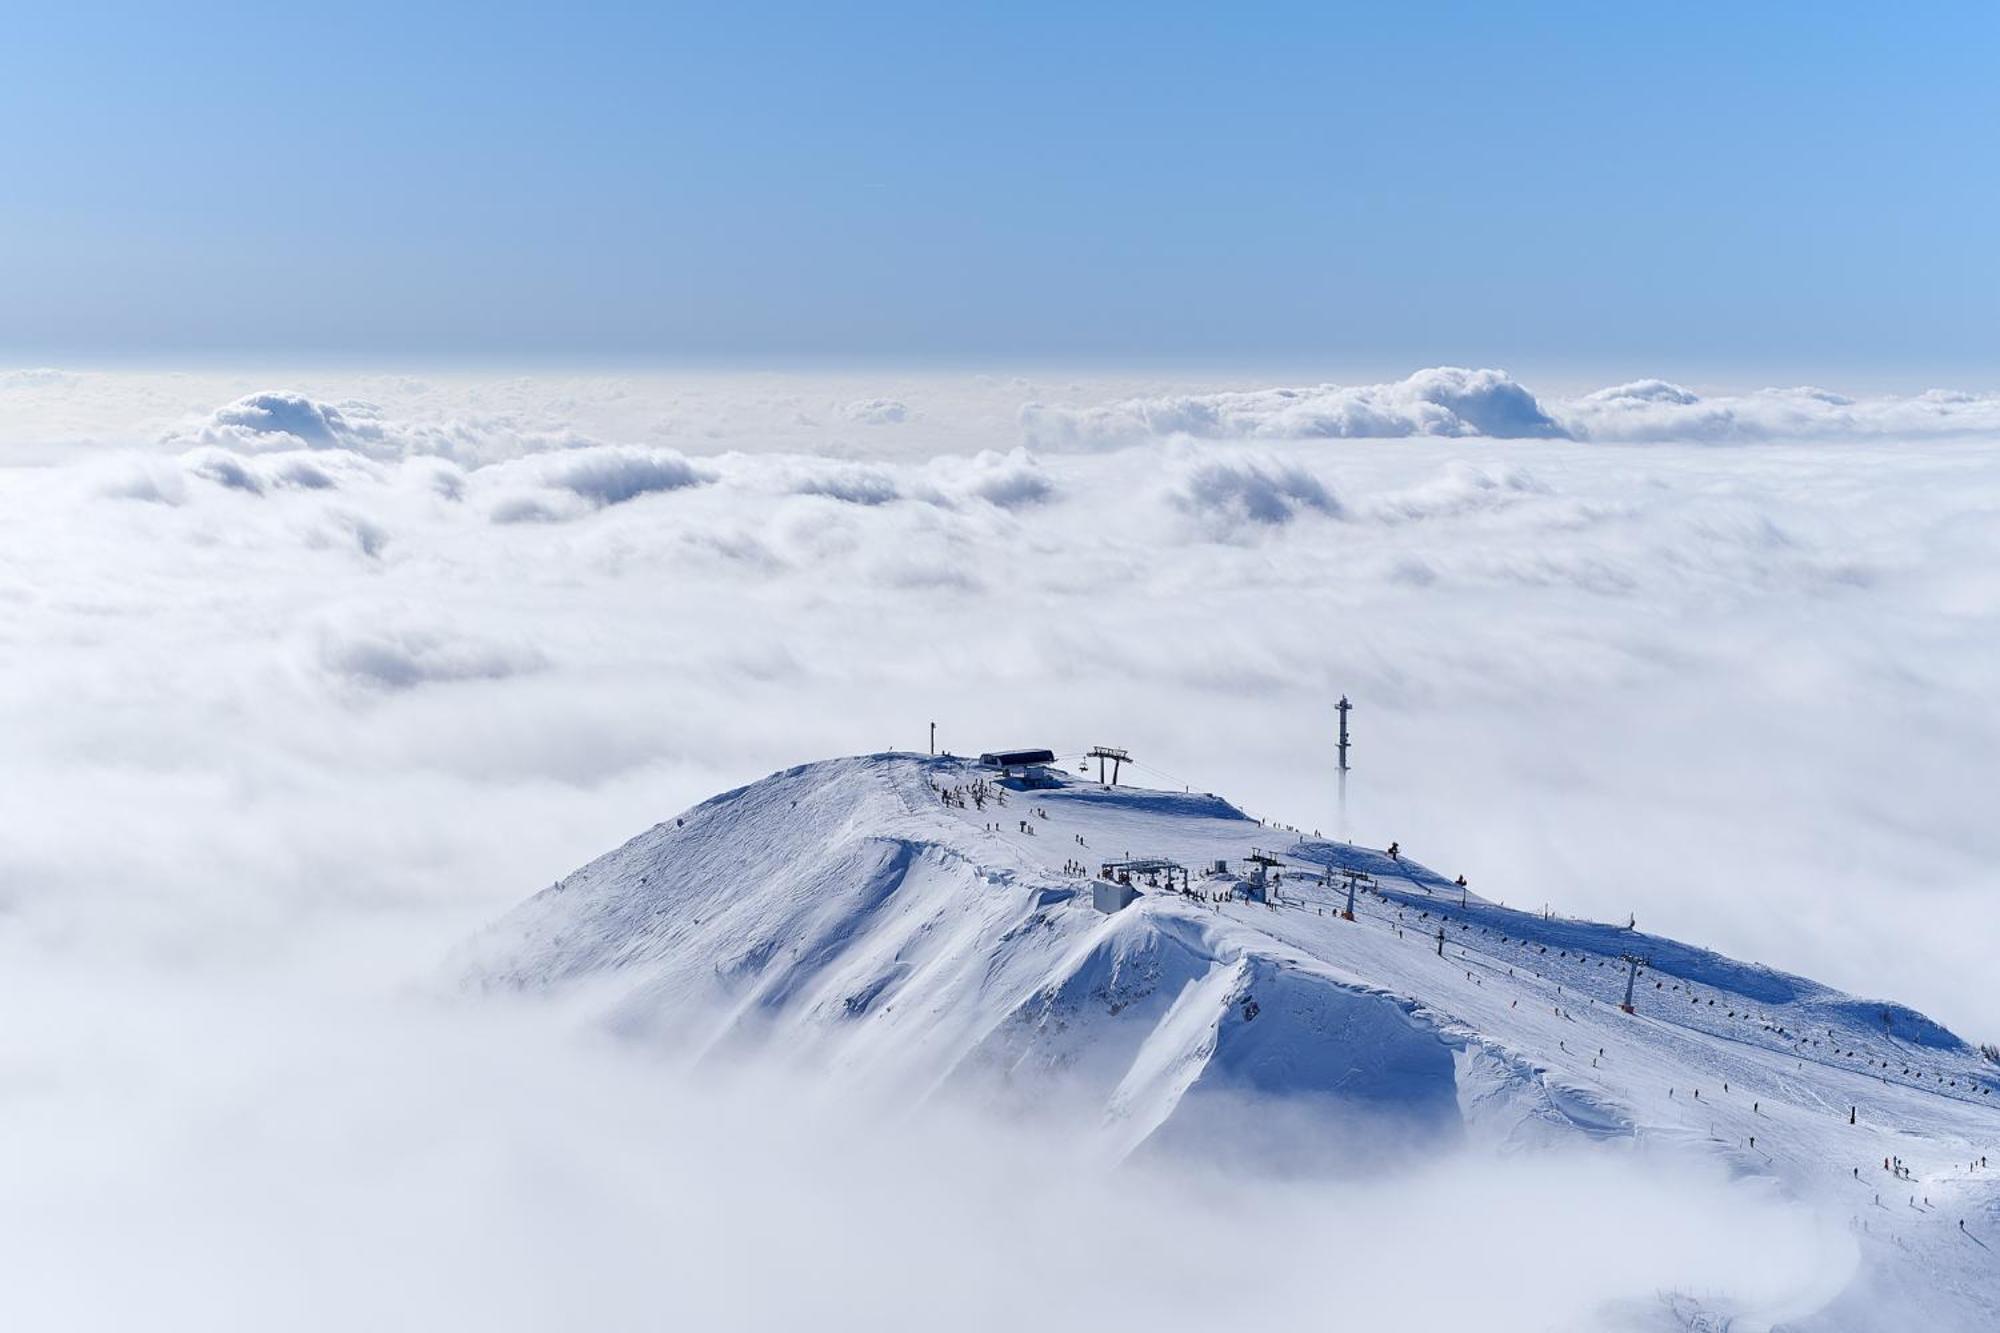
pixel 304 677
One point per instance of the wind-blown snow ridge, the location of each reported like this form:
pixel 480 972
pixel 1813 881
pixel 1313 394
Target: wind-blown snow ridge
pixel 852 915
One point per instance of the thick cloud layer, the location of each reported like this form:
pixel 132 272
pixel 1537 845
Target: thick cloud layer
pixel 286 718
pixel 45 415
pixel 1512 605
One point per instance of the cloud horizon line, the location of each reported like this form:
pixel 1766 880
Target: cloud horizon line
pixel 1441 402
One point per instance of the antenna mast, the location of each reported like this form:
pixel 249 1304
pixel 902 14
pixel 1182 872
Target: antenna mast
pixel 1342 708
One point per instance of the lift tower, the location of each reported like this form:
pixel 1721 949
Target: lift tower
pixel 1117 756
pixel 1633 962
pixel 1353 877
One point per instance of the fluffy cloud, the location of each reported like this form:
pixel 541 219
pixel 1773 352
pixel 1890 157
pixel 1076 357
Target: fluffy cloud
pixel 305 473
pixel 613 476
pixel 1445 401
pixel 264 422
pixel 276 422
pixel 575 482
pixel 1013 480
pixel 877 412
pixel 1458 403
pixel 140 477
pixel 35 377
pixel 401 659
pixel 1462 487
pixel 1648 410
pixel 1226 494
pixel 251 475
pixel 850 483
pixel 225 469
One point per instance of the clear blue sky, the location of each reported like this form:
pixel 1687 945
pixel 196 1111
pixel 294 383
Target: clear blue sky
pixel 1650 186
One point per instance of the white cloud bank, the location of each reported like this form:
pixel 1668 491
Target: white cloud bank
pixel 1657 410
pixel 286 718
pixel 47 414
pixel 1456 403
pixel 276 422
pixel 1509 603
pixel 1445 401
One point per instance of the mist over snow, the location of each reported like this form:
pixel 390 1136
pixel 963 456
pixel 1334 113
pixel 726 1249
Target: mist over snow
pixel 306 677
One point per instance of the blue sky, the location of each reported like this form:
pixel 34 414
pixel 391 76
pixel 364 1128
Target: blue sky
pixel 1626 188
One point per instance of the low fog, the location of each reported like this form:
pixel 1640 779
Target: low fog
pixel 307 677
pixel 246 1149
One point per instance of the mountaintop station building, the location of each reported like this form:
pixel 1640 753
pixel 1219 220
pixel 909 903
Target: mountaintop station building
pixel 1023 769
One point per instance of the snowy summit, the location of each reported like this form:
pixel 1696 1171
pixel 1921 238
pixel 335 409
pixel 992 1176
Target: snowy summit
pixel 1178 976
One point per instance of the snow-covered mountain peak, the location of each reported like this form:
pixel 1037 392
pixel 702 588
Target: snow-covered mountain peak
pixel 1156 965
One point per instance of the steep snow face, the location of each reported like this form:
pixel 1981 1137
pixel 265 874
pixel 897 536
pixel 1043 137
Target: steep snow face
pixel 902 922
pixel 844 912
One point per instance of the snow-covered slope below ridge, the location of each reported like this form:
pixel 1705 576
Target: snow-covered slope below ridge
pixel 849 914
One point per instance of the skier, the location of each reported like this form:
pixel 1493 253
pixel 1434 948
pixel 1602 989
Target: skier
pixel 1395 851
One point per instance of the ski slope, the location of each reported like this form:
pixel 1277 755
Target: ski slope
pixel 897 921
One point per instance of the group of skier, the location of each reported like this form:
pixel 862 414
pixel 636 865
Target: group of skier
pixel 975 793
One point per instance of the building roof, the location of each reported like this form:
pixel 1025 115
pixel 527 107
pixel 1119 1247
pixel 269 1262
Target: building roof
pixel 1016 758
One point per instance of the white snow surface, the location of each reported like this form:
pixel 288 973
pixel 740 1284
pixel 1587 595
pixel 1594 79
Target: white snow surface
pixel 847 915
